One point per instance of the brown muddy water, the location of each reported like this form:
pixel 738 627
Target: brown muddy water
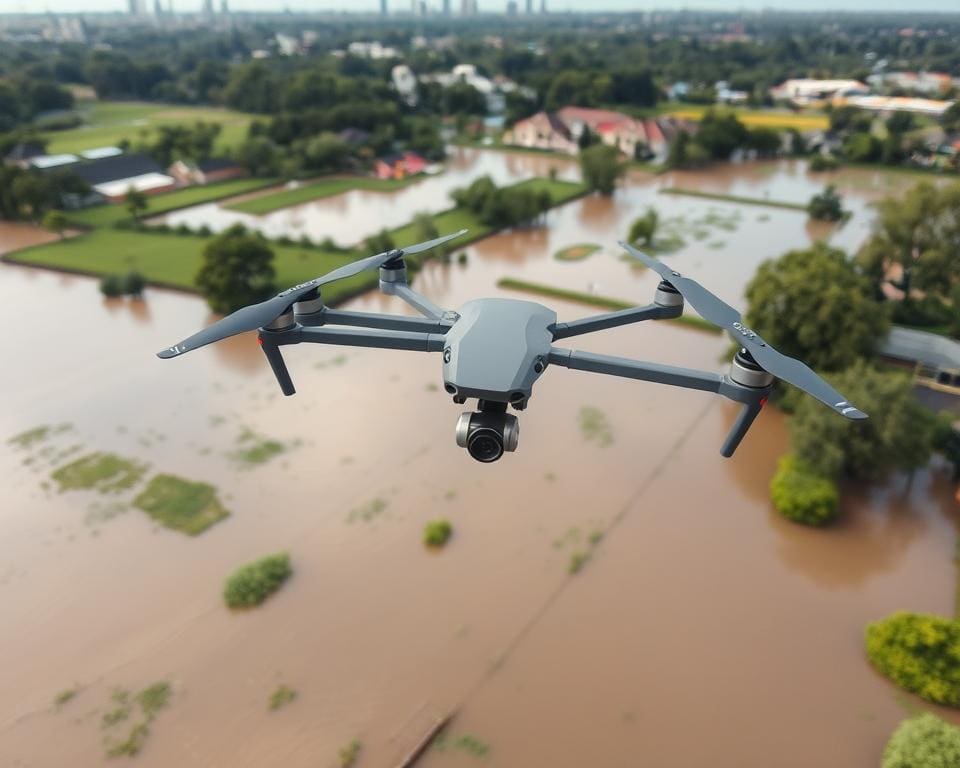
pixel 702 630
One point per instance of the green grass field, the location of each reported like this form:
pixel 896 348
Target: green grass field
pixel 106 215
pixel 173 260
pixel 109 122
pixel 284 198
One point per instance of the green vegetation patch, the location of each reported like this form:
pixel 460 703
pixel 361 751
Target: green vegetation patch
pixel 919 652
pixel 578 559
pixel 66 695
pixel 150 701
pixel 576 252
pixel 274 201
pixel 254 582
pixel 31 437
pixel 282 696
pixel 368 511
pixel 103 472
pixel 733 198
pixel 801 495
pixel 348 755
pixel 923 741
pixel 595 426
pixel 467 743
pixel 436 533
pixel 183 505
pixel 256 449
pixel 600 302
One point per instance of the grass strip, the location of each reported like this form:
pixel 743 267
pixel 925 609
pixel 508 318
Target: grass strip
pixel 284 198
pixel 600 302
pixel 733 198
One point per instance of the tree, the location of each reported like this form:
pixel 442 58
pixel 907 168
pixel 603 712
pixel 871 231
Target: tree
pixel 826 205
pixel 644 228
pixel 920 232
pixel 237 270
pixel 601 167
pixel 765 142
pixel 136 202
pixel 380 242
pixel 260 156
pixel 812 304
pixel 899 434
pixel 55 221
pixel 923 741
pixel 862 148
pixel 587 138
pixel 720 133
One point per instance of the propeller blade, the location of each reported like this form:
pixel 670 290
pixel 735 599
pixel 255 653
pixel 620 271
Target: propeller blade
pixel 258 315
pixel 721 314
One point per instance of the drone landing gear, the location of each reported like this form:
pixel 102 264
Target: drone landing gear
pixel 488 432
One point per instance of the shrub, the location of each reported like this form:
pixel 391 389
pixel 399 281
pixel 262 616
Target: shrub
pixel 282 696
pixel 801 495
pixel 111 285
pixel 923 741
pixel 436 533
pixel 919 652
pixel 133 283
pixel 254 582
pixel 824 163
pixel 827 205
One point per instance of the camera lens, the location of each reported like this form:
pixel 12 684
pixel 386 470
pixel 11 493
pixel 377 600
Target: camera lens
pixel 485 445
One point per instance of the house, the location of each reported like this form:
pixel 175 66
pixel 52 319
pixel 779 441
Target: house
pixel 561 131
pixel 931 107
pixel 399 166
pixel 805 91
pixel 206 171
pixel 23 153
pixel 113 176
pixel 934 358
pixel 932 83
pixel 49 162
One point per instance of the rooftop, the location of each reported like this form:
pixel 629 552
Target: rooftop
pixel 922 347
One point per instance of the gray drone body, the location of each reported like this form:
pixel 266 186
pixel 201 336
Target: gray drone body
pixel 495 350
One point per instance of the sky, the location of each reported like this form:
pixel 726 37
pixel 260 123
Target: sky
pixel 34 6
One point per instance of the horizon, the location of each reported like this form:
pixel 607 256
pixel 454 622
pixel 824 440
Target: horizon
pixel 366 7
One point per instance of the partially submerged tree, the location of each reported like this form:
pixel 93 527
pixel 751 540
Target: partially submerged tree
pixel 601 167
pixel 644 228
pixel 812 304
pixel 55 221
pixel 237 270
pixel 826 205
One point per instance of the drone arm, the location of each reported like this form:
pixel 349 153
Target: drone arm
pixel 418 301
pixel 328 316
pixel 614 319
pixel 635 369
pixel 752 398
pixel 360 337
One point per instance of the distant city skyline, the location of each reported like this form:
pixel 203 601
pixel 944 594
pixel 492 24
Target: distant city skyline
pixel 498 6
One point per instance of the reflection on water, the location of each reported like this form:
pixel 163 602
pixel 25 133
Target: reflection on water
pixel 699 610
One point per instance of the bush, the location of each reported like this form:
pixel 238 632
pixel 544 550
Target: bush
pixel 919 652
pixel 111 285
pixel 254 582
pixel 133 283
pixel 923 741
pixel 824 163
pixel 436 533
pixel 827 205
pixel 801 495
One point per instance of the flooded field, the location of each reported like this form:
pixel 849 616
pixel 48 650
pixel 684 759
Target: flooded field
pixel 702 629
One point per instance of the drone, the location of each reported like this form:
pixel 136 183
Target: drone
pixel 495 350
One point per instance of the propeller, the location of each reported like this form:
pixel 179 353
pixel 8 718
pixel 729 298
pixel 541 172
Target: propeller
pixel 721 314
pixel 258 315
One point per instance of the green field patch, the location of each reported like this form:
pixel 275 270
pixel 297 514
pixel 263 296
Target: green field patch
pixel 107 123
pixel 576 252
pixel 316 190
pixel 436 533
pixel 251 584
pixel 65 696
pixel 183 505
pixel 103 472
pixel 255 449
pixel 31 437
pixel 348 755
pixel 140 710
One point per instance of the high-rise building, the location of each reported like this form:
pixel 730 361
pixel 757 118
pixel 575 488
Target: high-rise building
pixel 529 6
pixel 208 7
pixel 511 7
pixel 383 8
pixel 158 9
pixel 446 7
pixel 543 6
pixel 224 8
pixel 468 7
pixel 137 7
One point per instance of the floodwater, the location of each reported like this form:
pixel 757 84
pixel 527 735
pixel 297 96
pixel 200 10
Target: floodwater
pixel 702 630
pixel 349 217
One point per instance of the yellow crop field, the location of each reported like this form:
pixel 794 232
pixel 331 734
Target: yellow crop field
pixel 753 118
